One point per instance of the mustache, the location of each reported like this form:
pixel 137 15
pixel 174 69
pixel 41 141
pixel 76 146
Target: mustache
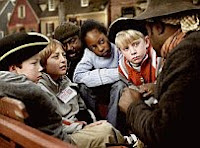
pixel 71 51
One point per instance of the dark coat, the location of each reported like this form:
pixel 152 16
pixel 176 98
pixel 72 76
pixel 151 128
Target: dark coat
pixel 173 121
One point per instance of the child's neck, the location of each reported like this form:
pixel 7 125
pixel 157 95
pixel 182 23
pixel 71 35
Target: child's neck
pixel 135 66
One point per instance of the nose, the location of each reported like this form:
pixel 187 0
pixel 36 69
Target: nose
pixel 40 68
pixel 132 50
pixel 63 59
pixel 100 48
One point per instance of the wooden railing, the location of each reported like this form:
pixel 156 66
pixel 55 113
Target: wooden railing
pixel 15 133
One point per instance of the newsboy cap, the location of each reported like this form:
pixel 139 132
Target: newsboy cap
pixel 18 47
pixel 157 8
pixel 124 23
pixel 66 30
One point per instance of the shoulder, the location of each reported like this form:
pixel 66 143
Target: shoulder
pixel 189 46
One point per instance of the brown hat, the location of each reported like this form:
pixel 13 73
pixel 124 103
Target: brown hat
pixel 66 30
pixel 125 24
pixel 158 8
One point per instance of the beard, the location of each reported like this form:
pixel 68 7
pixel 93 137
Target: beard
pixel 73 55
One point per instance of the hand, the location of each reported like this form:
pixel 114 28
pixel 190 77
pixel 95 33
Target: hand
pixel 147 90
pixel 128 96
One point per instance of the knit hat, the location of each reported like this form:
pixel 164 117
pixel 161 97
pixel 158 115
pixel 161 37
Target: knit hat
pixel 125 24
pixel 66 30
pixel 18 47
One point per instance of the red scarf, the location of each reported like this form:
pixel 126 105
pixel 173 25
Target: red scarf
pixel 172 42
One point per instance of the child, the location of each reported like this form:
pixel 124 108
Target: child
pixel 139 64
pixel 69 35
pixel 97 72
pixel 20 67
pixel 68 101
pixel 139 61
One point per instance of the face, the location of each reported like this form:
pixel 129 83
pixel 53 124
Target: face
pixel 155 38
pixel 56 63
pixel 136 51
pixel 31 68
pixel 98 43
pixel 73 47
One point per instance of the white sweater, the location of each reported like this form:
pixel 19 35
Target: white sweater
pixel 94 71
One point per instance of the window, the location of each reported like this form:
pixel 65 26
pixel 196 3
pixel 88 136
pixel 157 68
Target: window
pixel 51 4
pixel 21 12
pixel 8 16
pixel 84 3
pixel 128 11
pixel 1 34
pixel 49 29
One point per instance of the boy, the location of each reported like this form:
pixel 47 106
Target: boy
pixel 20 67
pixel 68 34
pixel 139 64
pixel 97 71
pixel 69 103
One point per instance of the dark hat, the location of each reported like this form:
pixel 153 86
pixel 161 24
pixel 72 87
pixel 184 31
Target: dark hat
pixel 66 30
pixel 125 24
pixel 18 47
pixel 158 8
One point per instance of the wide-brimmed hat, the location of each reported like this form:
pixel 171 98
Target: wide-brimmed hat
pixel 125 24
pixel 66 30
pixel 156 8
pixel 18 47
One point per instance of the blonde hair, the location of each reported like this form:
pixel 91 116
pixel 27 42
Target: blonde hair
pixel 48 50
pixel 125 37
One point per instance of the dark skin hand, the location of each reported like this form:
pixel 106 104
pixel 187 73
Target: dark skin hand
pixel 147 90
pixel 128 96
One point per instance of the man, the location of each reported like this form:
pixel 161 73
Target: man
pixel 173 28
pixel 68 34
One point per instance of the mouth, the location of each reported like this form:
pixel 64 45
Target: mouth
pixel 106 54
pixel 72 55
pixel 136 58
pixel 64 67
pixel 39 77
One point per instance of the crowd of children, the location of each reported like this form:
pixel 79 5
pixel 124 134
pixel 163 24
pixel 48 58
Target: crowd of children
pixel 71 76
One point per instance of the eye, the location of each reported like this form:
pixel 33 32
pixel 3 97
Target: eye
pixel 73 40
pixel 135 44
pixel 34 63
pixel 64 54
pixel 125 49
pixel 55 56
pixel 92 48
pixel 101 41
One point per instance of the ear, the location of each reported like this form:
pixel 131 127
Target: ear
pixel 12 68
pixel 160 27
pixel 147 41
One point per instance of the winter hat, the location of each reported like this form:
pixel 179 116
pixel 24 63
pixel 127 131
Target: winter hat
pixel 66 30
pixel 18 47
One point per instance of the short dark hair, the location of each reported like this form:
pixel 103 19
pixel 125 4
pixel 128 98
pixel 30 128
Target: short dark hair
pixel 89 25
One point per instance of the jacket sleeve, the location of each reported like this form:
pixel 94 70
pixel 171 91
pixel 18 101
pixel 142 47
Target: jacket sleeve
pixel 85 73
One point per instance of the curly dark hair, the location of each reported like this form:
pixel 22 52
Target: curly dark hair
pixel 89 25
